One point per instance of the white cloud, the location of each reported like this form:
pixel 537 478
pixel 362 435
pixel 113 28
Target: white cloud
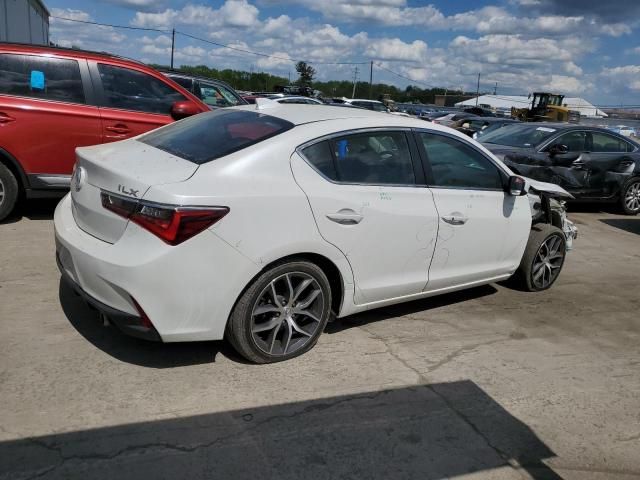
pixel 233 13
pixel 74 34
pixel 621 79
pixel 396 49
pixel 566 84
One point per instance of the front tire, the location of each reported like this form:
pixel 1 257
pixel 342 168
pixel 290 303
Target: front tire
pixel 630 197
pixel 8 192
pixel 543 258
pixel 282 313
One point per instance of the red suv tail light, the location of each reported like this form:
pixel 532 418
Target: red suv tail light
pixel 173 224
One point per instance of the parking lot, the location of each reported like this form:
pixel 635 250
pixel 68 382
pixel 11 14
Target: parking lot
pixel 489 383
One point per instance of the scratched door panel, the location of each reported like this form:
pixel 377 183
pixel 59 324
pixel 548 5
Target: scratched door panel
pixel 390 248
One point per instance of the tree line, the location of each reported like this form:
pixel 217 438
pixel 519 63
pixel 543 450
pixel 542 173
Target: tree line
pixel 266 82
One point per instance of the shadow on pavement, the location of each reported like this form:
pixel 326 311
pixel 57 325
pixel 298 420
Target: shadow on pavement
pixel 34 209
pixel 631 225
pixel 430 432
pixel 592 207
pixel 408 308
pixel 132 350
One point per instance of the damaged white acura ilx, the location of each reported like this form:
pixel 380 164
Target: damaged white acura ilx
pixel 260 223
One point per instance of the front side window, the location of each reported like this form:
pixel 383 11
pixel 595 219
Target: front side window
pixel 456 165
pixel 375 158
pixel 133 90
pixel 601 142
pixel 575 141
pixel 207 136
pixel 47 78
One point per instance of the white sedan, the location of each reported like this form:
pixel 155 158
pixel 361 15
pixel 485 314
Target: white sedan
pixel 263 222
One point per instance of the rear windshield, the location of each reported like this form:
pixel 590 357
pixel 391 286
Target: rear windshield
pixel 207 136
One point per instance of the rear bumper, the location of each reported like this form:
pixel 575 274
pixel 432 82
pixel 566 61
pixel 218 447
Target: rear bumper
pixel 127 323
pixel 187 291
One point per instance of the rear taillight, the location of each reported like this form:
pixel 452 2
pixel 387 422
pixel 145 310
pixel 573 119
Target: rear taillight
pixel 173 224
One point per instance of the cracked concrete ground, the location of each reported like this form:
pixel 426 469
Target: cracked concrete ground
pixel 490 383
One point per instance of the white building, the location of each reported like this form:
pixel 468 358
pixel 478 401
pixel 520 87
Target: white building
pixel 24 21
pixel 505 102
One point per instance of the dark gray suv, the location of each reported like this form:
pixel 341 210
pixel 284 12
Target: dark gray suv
pixel 215 93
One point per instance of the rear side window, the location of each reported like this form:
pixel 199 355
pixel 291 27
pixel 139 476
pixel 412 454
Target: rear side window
pixel 207 136
pixel 185 83
pixel 132 90
pixel 48 78
pixel 456 165
pixel 319 155
pixel 376 158
pixel 604 143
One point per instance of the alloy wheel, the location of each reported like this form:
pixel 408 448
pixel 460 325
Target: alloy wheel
pixel 1 192
pixel 287 314
pixel 632 197
pixel 548 261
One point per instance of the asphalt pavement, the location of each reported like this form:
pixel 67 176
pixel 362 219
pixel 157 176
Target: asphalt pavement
pixel 490 383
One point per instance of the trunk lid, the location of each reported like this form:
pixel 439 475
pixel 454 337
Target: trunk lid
pixel 127 168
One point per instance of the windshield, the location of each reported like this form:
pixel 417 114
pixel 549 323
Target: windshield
pixel 518 135
pixel 217 95
pixel 207 136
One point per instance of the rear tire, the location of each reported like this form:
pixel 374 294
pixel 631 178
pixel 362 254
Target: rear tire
pixel 8 192
pixel 543 258
pixel 630 197
pixel 281 314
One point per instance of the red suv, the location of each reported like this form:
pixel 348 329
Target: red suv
pixel 53 100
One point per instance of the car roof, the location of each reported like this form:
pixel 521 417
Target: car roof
pixel 175 73
pixel 40 49
pixel 296 97
pixel 362 100
pixel 494 119
pixel 300 114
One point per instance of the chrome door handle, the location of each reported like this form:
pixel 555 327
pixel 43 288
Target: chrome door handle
pixel 345 217
pixel 455 219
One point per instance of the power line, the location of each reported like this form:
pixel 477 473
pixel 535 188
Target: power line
pixel 110 25
pixel 204 40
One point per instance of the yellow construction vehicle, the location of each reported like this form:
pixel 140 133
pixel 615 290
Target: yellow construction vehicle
pixel 546 107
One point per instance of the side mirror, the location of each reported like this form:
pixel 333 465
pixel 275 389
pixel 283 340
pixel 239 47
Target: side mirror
pixel 558 149
pixel 184 109
pixel 517 186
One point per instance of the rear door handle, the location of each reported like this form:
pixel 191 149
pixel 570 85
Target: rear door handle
pixel 118 128
pixel 455 219
pixel 345 217
pixel 4 118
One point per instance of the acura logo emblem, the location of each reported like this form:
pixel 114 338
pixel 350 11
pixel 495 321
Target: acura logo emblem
pixel 80 177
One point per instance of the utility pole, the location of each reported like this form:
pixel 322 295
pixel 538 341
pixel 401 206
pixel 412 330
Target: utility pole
pixel 173 43
pixel 495 89
pixel 478 90
pixel 371 82
pixel 355 79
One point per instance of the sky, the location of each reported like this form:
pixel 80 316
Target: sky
pixel 586 48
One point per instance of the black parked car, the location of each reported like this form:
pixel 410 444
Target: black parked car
pixel 592 163
pixel 477 126
pixel 215 93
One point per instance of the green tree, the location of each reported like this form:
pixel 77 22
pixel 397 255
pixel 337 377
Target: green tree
pixel 306 73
